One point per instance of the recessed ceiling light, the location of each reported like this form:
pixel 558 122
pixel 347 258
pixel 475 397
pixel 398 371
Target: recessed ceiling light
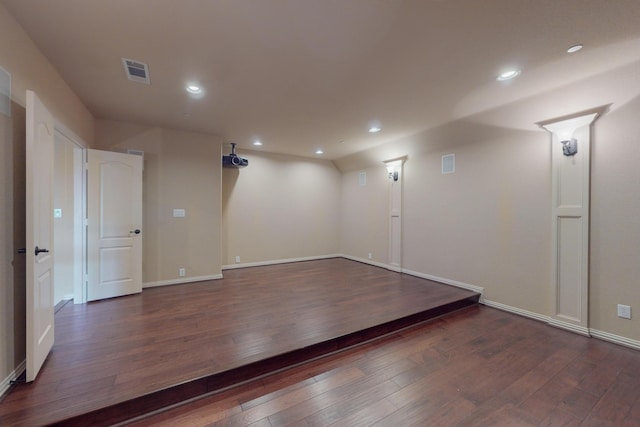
pixel 194 89
pixel 318 151
pixel 508 75
pixel 374 126
pixel 574 48
pixel 257 143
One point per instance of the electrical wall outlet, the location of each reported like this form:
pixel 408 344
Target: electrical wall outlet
pixel 370 255
pixel 624 311
pixel 182 272
pixel 237 259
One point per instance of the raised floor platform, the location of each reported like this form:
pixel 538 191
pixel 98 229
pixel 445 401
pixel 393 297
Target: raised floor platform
pixel 120 358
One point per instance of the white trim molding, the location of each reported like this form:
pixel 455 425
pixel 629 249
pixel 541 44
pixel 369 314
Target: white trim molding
pixel 616 339
pixel 518 311
pixel 590 332
pixel 572 327
pixel 15 374
pixel 474 288
pixel 570 183
pixel 455 283
pixel 181 280
pixel 372 262
pixel 540 317
pixel 278 261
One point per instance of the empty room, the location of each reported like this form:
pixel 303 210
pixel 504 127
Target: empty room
pixel 358 212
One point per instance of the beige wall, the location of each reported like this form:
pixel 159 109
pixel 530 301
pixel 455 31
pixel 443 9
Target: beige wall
pixel 615 220
pixel 181 171
pixel 29 69
pixel 489 224
pixel 364 217
pixel 280 207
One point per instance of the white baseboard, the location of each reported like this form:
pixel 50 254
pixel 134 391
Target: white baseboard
pixel 540 317
pixel 371 262
pixel 181 280
pixel 450 282
pixel 569 327
pixel 474 288
pixel 6 383
pixel 516 310
pixel 595 333
pixel 278 261
pixel 616 339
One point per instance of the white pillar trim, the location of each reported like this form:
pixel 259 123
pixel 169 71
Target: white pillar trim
pixel 394 168
pixel 570 192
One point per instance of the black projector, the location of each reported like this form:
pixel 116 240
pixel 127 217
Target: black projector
pixel 233 160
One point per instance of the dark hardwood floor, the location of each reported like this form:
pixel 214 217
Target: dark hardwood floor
pixel 475 367
pixel 126 356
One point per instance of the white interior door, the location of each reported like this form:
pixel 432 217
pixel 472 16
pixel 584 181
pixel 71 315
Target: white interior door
pixel 114 210
pixel 39 200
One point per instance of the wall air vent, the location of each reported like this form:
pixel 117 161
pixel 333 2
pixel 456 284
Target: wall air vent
pixel 136 71
pixel 448 163
pixel 362 179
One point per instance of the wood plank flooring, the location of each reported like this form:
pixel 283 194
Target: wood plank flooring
pixel 475 367
pixel 137 353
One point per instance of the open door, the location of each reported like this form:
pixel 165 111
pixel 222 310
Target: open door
pixel 39 200
pixel 114 211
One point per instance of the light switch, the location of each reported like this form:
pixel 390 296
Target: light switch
pixel 57 213
pixel 179 213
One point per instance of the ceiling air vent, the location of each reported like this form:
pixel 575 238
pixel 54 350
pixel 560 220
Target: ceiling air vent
pixel 136 70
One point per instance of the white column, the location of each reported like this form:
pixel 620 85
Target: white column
pixel 570 175
pixel 394 167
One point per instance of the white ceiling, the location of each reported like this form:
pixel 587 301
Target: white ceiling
pixel 307 74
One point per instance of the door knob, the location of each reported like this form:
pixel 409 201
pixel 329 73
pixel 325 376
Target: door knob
pixel 136 231
pixel 38 250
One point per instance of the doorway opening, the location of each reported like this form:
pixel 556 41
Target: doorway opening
pixel 69 214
